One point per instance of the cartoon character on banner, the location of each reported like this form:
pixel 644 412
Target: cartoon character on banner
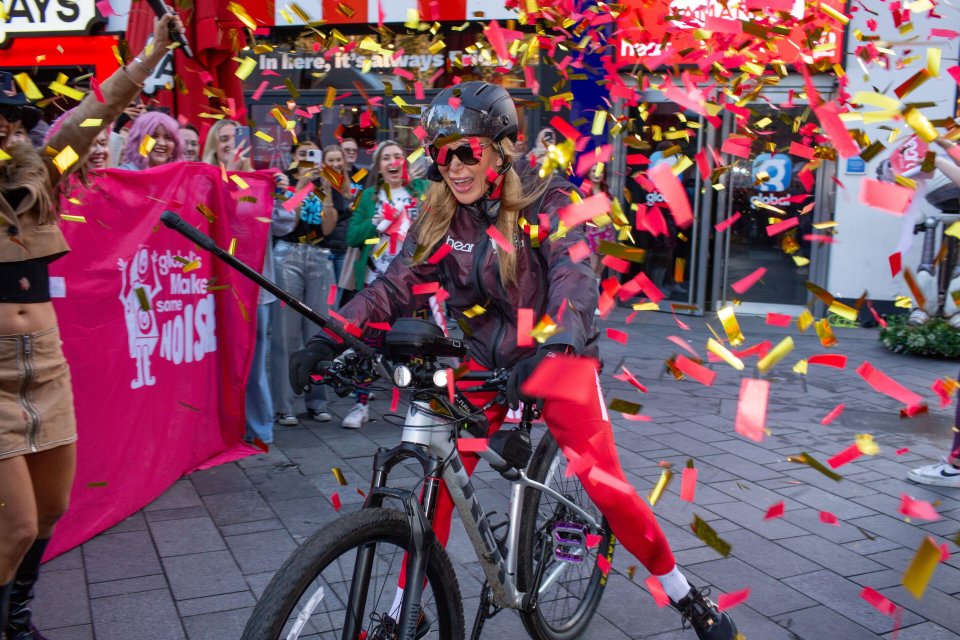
pixel 137 298
pixel 936 279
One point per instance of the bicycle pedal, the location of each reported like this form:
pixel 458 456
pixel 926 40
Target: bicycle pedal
pixel 570 542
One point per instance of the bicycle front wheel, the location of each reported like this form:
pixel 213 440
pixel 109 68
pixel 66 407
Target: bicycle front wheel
pixel 340 584
pixel 572 581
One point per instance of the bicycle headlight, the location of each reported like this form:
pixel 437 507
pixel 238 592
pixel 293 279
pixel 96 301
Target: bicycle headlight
pixel 440 378
pixel 402 375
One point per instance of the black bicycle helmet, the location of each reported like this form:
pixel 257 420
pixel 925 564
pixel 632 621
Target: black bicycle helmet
pixel 485 110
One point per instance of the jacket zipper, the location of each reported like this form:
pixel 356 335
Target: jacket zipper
pixel 32 416
pixel 498 336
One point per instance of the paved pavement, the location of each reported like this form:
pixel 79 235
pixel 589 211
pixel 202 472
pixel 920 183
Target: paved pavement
pixel 192 563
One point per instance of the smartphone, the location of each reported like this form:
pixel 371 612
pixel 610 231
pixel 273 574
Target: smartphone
pixel 548 137
pixel 241 136
pixel 315 156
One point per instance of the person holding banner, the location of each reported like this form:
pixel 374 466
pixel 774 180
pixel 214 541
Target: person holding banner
pixel 37 422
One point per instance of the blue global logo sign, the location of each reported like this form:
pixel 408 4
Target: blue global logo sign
pixel 779 170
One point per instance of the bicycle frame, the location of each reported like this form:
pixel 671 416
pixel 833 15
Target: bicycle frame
pixel 427 437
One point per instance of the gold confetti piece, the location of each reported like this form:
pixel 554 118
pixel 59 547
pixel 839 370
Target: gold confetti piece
pixel 844 311
pixel 806 458
pixel 545 328
pixel 921 568
pixel 188 406
pixel 706 533
pixel 933 61
pixel 72 218
pixel 65 159
pixel 724 354
pixel 415 155
pixel 92 122
pixel 96 484
pixel 437 47
pixel 64 90
pixel 632 570
pixel 338 474
pixel 953 230
pixel 380 250
pixel 142 299
pixel 281 120
pixel 240 182
pixel 804 320
pixel 919 123
pixel 665 477
pixel 26 85
pixel 146 145
pixel 825 333
pixel 800 368
pixel 330 97
pixel 207 212
pixel 866 444
pixel 233 246
pixel 359 176
pixel 241 13
pixel 245 68
pixel 776 354
pixel 625 406
pixel 413 18
pixel 730 325
pixel 4 155
pixel 599 118
pixel 191 266
pixel 263 136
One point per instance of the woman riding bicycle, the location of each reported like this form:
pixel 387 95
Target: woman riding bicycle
pixel 474 207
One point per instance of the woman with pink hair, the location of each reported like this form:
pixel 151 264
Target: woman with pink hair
pixel 166 148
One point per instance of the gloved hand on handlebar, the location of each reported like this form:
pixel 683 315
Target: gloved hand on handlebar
pixel 524 369
pixel 303 362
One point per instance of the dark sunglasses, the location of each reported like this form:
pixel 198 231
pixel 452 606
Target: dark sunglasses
pixel 464 153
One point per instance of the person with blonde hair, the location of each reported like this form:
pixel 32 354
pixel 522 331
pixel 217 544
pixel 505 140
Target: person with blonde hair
pixel 470 132
pixel 221 147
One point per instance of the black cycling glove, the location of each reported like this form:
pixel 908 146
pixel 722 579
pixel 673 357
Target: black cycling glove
pixel 303 362
pixel 524 369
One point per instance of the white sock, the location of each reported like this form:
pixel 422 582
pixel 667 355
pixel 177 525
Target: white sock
pixel 675 584
pixel 395 607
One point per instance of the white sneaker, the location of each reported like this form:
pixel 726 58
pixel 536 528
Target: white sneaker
pixel 357 416
pixel 942 474
pixel 287 419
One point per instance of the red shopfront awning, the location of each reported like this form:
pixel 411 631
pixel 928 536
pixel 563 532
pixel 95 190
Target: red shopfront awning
pixel 64 51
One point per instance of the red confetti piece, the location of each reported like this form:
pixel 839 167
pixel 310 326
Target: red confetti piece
pixel 451 382
pixel 741 286
pixel 524 327
pixel 836 361
pixel 888 386
pixel 626 376
pixel 726 601
pixel 673 192
pixel 801 150
pixel 752 408
pixel 900 452
pixel 95 86
pixel 829 117
pixel 440 254
pixel 294 201
pixel 617 264
pixel 919 509
pixel 425 288
pixel 335 499
pixel 395 399
pixel 579 252
pixel 828 518
pixel 696 371
pixel 878 601
pixel 833 415
pixel 943 392
pixel 783 225
pixel 656 590
pixel 779 319
pixel 497 237
pixel 332 295
pixel 380 326
pixel 588 209
pixel 688 484
pixel 617 336
pixel 563 378
pixel 896 263
pixel 849 454
pixel 886 196
pixel 775 511
pixel 472 445
pixel 603 563
pixel 564 128
pixel 723 226
pixel 593 540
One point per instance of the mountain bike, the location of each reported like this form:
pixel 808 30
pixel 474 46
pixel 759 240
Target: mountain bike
pixel 548 560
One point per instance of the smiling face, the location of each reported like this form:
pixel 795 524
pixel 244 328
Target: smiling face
pixel 334 160
pixel 191 144
pixel 300 155
pixel 163 149
pixel 350 150
pixel 99 151
pixel 392 161
pixel 469 182
pixel 7 127
pixel 226 143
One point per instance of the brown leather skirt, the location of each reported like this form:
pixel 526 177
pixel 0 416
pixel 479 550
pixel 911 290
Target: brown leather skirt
pixel 36 399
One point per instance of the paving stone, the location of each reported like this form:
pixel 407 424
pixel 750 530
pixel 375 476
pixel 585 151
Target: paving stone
pixel 843 489
pixel 739 467
pixel 629 599
pixel 820 623
pixel 924 631
pixel 203 574
pixel 264 551
pixel 61 598
pixel 945 578
pixel 120 555
pixel 823 500
pixel 212 604
pixel 136 522
pixel 190 535
pixel 748 451
pixel 148 615
pixel 843 596
pixel 831 556
pixel 752 518
pixel 176 514
pixel 773 558
pixel 909 535
pixel 303 516
pixel 72 559
pixel 809 520
pixel 257 526
pixel 768 596
pixel 227 478
pixel 128 585
pixel 935 605
pixel 80 632
pixel 217 626
pixel 282 484
pixel 237 507
pixel 181 495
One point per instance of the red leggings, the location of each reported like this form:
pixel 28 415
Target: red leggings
pixel 585 430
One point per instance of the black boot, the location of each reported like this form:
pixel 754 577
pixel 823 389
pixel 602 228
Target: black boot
pixel 19 625
pixel 4 602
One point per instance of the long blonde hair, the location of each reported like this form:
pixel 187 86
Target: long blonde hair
pixel 440 205
pixel 209 154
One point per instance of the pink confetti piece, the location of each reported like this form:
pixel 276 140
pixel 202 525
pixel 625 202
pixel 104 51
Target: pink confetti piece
pixel 498 238
pixel 617 336
pixel 680 342
pixel 603 563
pixel 779 319
pixel 673 192
pixel 588 209
pixel 744 284
pixel 878 601
pixel 829 117
pixel 425 288
pixel 726 601
pixel 775 511
pixel 593 540
pixel 752 408
pixel 828 518
pixel 783 225
pixel 579 252
pixel 900 452
pixel 849 454
pixel 833 415
pixel 260 89
pixel 688 484
pixel 472 445
pixel 626 376
pixel 395 399
pixel 834 360
pixel 696 371
pixel 886 385
pixel 919 509
pixel 886 196
pixel 332 295
pixel 656 590
pixel 524 327
pixel 440 254
pixel 335 499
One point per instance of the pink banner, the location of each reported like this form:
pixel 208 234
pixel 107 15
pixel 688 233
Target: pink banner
pixel 159 334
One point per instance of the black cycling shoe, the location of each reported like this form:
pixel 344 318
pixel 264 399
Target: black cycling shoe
pixel 710 624
pixel 386 628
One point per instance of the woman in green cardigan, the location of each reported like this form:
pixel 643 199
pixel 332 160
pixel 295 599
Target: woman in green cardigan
pixel 384 211
pixel 383 216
